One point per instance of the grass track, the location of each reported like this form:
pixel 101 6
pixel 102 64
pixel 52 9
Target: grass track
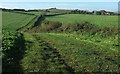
pixel 81 55
pixel 44 57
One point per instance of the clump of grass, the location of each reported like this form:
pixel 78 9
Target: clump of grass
pixel 48 26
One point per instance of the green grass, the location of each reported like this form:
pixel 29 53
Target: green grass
pixel 82 54
pixel 99 40
pixel 30 12
pixel 39 13
pixel 45 52
pixel 35 12
pixel 51 13
pixel 100 20
pixel 13 21
pixel 39 56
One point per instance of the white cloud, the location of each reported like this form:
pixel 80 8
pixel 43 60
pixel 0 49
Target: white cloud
pixel 7 7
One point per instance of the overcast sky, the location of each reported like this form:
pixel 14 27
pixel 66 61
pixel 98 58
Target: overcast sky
pixel 110 6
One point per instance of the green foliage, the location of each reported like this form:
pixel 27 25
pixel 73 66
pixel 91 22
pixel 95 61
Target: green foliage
pixel 8 41
pixel 12 51
pixel 85 27
pixel 48 26
pixel 51 13
pixel 87 43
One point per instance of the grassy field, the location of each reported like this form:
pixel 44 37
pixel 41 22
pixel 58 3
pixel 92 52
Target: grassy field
pixel 39 13
pixel 79 53
pixel 99 20
pixel 51 13
pixel 59 51
pixel 43 57
pixel 35 12
pixel 13 21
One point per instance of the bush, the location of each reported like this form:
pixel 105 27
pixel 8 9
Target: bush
pixel 12 51
pixel 78 27
pixel 85 27
pixel 50 26
pixel 110 31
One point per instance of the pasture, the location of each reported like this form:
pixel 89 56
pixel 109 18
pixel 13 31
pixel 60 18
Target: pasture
pixel 35 12
pixel 79 53
pixel 12 21
pixel 41 47
pixel 99 20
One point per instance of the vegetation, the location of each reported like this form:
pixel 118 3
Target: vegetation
pixel 35 41
pixel 80 54
pixel 52 13
pixel 34 12
pixel 43 57
pixel 85 27
pixel 13 21
pixel 12 51
pixel 101 12
pixel 99 20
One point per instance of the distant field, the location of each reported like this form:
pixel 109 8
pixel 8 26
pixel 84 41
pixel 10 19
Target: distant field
pixel 51 13
pixel 35 12
pixel 100 20
pixel 39 13
pixel 13 21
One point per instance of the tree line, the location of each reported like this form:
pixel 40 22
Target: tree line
pixel 101 12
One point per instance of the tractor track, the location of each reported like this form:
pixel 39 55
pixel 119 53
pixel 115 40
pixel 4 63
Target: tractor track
pixel 56 54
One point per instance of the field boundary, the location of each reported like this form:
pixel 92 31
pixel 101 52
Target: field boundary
pixel 27 24
pixel 55 14
pixel 24 13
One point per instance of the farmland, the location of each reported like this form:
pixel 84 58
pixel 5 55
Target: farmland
pixel 64 43
pixel 79 54
pixel 99 20
pixel 13 21
pixel 35 12
pixel 39 13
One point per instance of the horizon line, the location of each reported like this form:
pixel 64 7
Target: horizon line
pixel 56 8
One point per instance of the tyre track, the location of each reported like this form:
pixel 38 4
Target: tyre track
pixel 52 51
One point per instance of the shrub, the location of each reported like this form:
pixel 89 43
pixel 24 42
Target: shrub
pixel 86 26
pixel 50 26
